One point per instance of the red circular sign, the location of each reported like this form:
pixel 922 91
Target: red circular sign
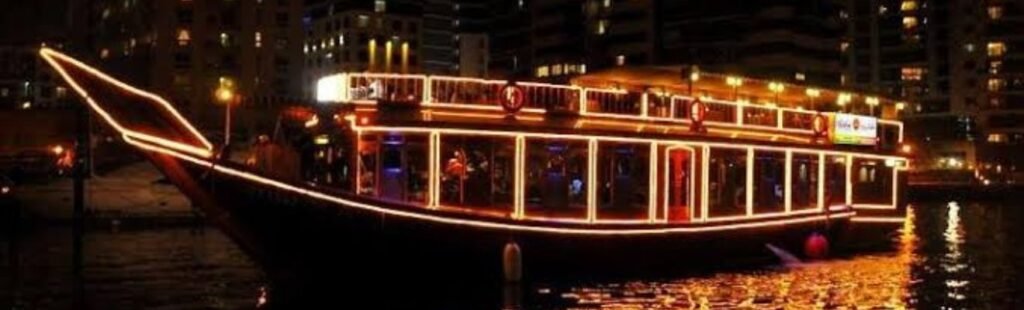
pixel 819 124
pixel 697 111
pixel 512 98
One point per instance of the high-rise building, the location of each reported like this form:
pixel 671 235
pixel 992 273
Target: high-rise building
pixel 779 40
pixel 956 65
pixel 447 24
pixel 362 35
pixel 776 40
pixel 185 50
pixel 25 81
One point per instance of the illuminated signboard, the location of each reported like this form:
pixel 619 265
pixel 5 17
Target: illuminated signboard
pixel 328 88
pixel 854 129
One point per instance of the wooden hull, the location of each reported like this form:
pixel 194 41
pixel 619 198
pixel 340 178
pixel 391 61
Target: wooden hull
pixel 301 235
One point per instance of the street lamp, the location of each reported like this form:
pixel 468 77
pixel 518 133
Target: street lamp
pixel 735 82
pixel 813 93
pixel 872 102
pixel 776 88
pixel 842 99
pixel 226 95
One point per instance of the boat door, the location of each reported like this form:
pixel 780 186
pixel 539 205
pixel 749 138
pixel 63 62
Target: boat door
pixel 393 172
pixel 678 184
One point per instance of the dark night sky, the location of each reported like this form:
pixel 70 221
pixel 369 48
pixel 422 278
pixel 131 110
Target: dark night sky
pixel 23 21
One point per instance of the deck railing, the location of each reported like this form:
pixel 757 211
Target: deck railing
pixel 477 93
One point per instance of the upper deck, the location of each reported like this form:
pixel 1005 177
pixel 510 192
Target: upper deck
pixel 634 102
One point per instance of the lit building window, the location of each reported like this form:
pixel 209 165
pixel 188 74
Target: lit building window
pixel 911 73
pixel 542 71
pixel 909 22
pixel 362 21
pixel 908 5
pixel 994 66
pixel 843 46
pixel 607 3
pixel 996 84
pixel 258 39
pixel 184 37
pixel 800 76
pixel 995 12
pixel 620 60
pixel 379 6
pixel 104 53
pixel 341 39
pixel 225 39
pixel 602 26
pixel 996 49
pixel 583 68
pixel 969 47
pixel 882 9
pixel 556 69
pixel 996 137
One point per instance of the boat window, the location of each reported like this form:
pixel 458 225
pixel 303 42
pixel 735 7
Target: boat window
pixel 872 182
pixel 835 180
pixel 402 171
pixel 769 182
pixel 727 179
pixel 805 181
pixel 622 174
pixel 477 172
pixel 556 178
pixel 367 163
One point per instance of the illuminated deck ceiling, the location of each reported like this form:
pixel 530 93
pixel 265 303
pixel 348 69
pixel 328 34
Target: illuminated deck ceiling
pixel 737 88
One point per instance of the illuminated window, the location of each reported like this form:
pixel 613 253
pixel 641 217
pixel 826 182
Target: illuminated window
pixel 620 60
pixel 969 47
pixel 996 49
pixel 908 5
pixel 995 12
pixel 843 46
pixel 379 6
pixel 104 53
pixel 184 37
pixel 556 69
pixel 602 26
pixel 362 21
pixel 994 66
pixel 996 84
pixel 341 39
pixel 259 39
pixel 583 68
pixel 542 71
pixel 225 39
pixel 800 76
pixel 911 73
pixel 607 3
pixel 996 137
pixel 882 9
pixel 909 22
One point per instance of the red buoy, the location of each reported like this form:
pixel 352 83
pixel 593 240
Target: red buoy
pixel 816 246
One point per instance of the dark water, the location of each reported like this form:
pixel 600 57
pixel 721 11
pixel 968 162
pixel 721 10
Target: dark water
pixel 950 255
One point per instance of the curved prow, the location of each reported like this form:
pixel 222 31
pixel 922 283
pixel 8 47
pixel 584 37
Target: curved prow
pixel 137 115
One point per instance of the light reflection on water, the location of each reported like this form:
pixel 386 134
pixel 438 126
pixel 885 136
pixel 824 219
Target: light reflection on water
pixel 948 255
pixel 936 264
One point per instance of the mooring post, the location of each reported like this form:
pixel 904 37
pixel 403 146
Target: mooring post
pixel 512 262
pixel 80 172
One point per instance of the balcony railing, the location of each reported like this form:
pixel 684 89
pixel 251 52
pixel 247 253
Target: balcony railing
pixel 473 93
